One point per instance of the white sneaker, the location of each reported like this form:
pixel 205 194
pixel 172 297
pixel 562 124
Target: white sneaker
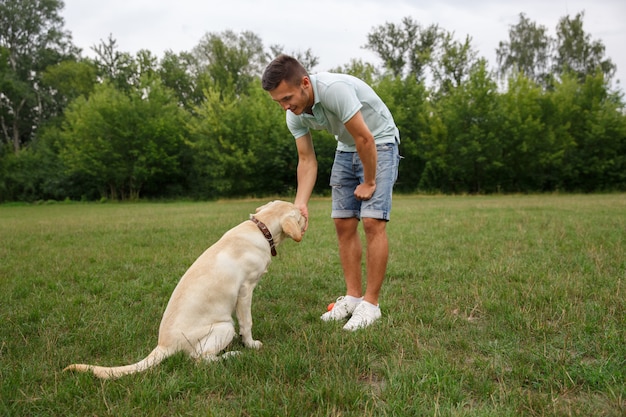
pixel 342 309
pixel 362 316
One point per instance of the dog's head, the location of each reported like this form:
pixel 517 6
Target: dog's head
pixel 284 215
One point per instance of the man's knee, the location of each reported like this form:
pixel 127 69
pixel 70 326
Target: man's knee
pixel 374 226
pixel 346 226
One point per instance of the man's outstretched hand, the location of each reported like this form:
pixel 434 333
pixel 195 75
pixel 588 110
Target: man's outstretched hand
pixel 304 210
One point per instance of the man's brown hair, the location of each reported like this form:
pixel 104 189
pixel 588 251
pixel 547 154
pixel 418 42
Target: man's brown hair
pixel 283 67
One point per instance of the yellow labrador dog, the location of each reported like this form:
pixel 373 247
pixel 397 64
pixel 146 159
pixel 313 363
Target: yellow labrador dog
pixel 199 315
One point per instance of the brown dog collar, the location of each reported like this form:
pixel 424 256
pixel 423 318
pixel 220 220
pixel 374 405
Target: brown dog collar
pixel 266 232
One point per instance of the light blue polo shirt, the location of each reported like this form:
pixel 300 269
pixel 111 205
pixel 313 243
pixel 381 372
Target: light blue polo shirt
pixel 338 97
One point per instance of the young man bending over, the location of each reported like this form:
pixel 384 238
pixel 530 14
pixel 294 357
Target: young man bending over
pixel 363 174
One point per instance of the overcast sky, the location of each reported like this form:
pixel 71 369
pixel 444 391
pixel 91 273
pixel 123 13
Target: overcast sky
pixel 335 30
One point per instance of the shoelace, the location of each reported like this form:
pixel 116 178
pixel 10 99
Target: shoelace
pixel 359 313
pixel 341 308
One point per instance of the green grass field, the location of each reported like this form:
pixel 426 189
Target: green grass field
pixel 493 306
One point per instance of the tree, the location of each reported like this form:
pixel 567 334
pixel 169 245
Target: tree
pixel 406 48
pixel 591 120
pixel 222 159
pixel 125 143
pixel 461 149
pixel 578 53
pixel 177 72
pixel 365 71
pixel 35 173
pixel 69 80
pixel 543 59
pixel 527 51
pixel 452 63
pixel 241 145
pixel 31 39
pixel 117 68
pixel 229 59
pixel 392 44
pixel 532 153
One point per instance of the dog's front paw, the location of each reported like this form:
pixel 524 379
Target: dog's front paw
pixel 254 344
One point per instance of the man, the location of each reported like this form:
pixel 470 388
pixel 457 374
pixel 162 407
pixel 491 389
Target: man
pixel 363 174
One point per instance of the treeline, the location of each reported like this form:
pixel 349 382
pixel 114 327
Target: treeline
pixel 198 125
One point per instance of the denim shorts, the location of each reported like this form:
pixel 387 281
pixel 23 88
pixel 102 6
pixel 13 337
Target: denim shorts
pixel 347 173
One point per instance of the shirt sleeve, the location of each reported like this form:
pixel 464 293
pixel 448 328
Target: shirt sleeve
pixel 295 125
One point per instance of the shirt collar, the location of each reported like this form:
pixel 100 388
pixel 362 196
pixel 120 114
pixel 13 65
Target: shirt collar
pixel 316 96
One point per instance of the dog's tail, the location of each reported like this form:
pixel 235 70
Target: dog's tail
pixel 153 359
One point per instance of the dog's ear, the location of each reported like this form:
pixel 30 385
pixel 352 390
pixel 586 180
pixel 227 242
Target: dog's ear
pixel 262 207
pixel 291 227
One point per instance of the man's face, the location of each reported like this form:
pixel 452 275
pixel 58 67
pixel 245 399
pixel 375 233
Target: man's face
pixel 296 98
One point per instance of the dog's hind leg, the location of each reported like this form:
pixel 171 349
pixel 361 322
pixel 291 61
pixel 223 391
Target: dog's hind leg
pixel 216 340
